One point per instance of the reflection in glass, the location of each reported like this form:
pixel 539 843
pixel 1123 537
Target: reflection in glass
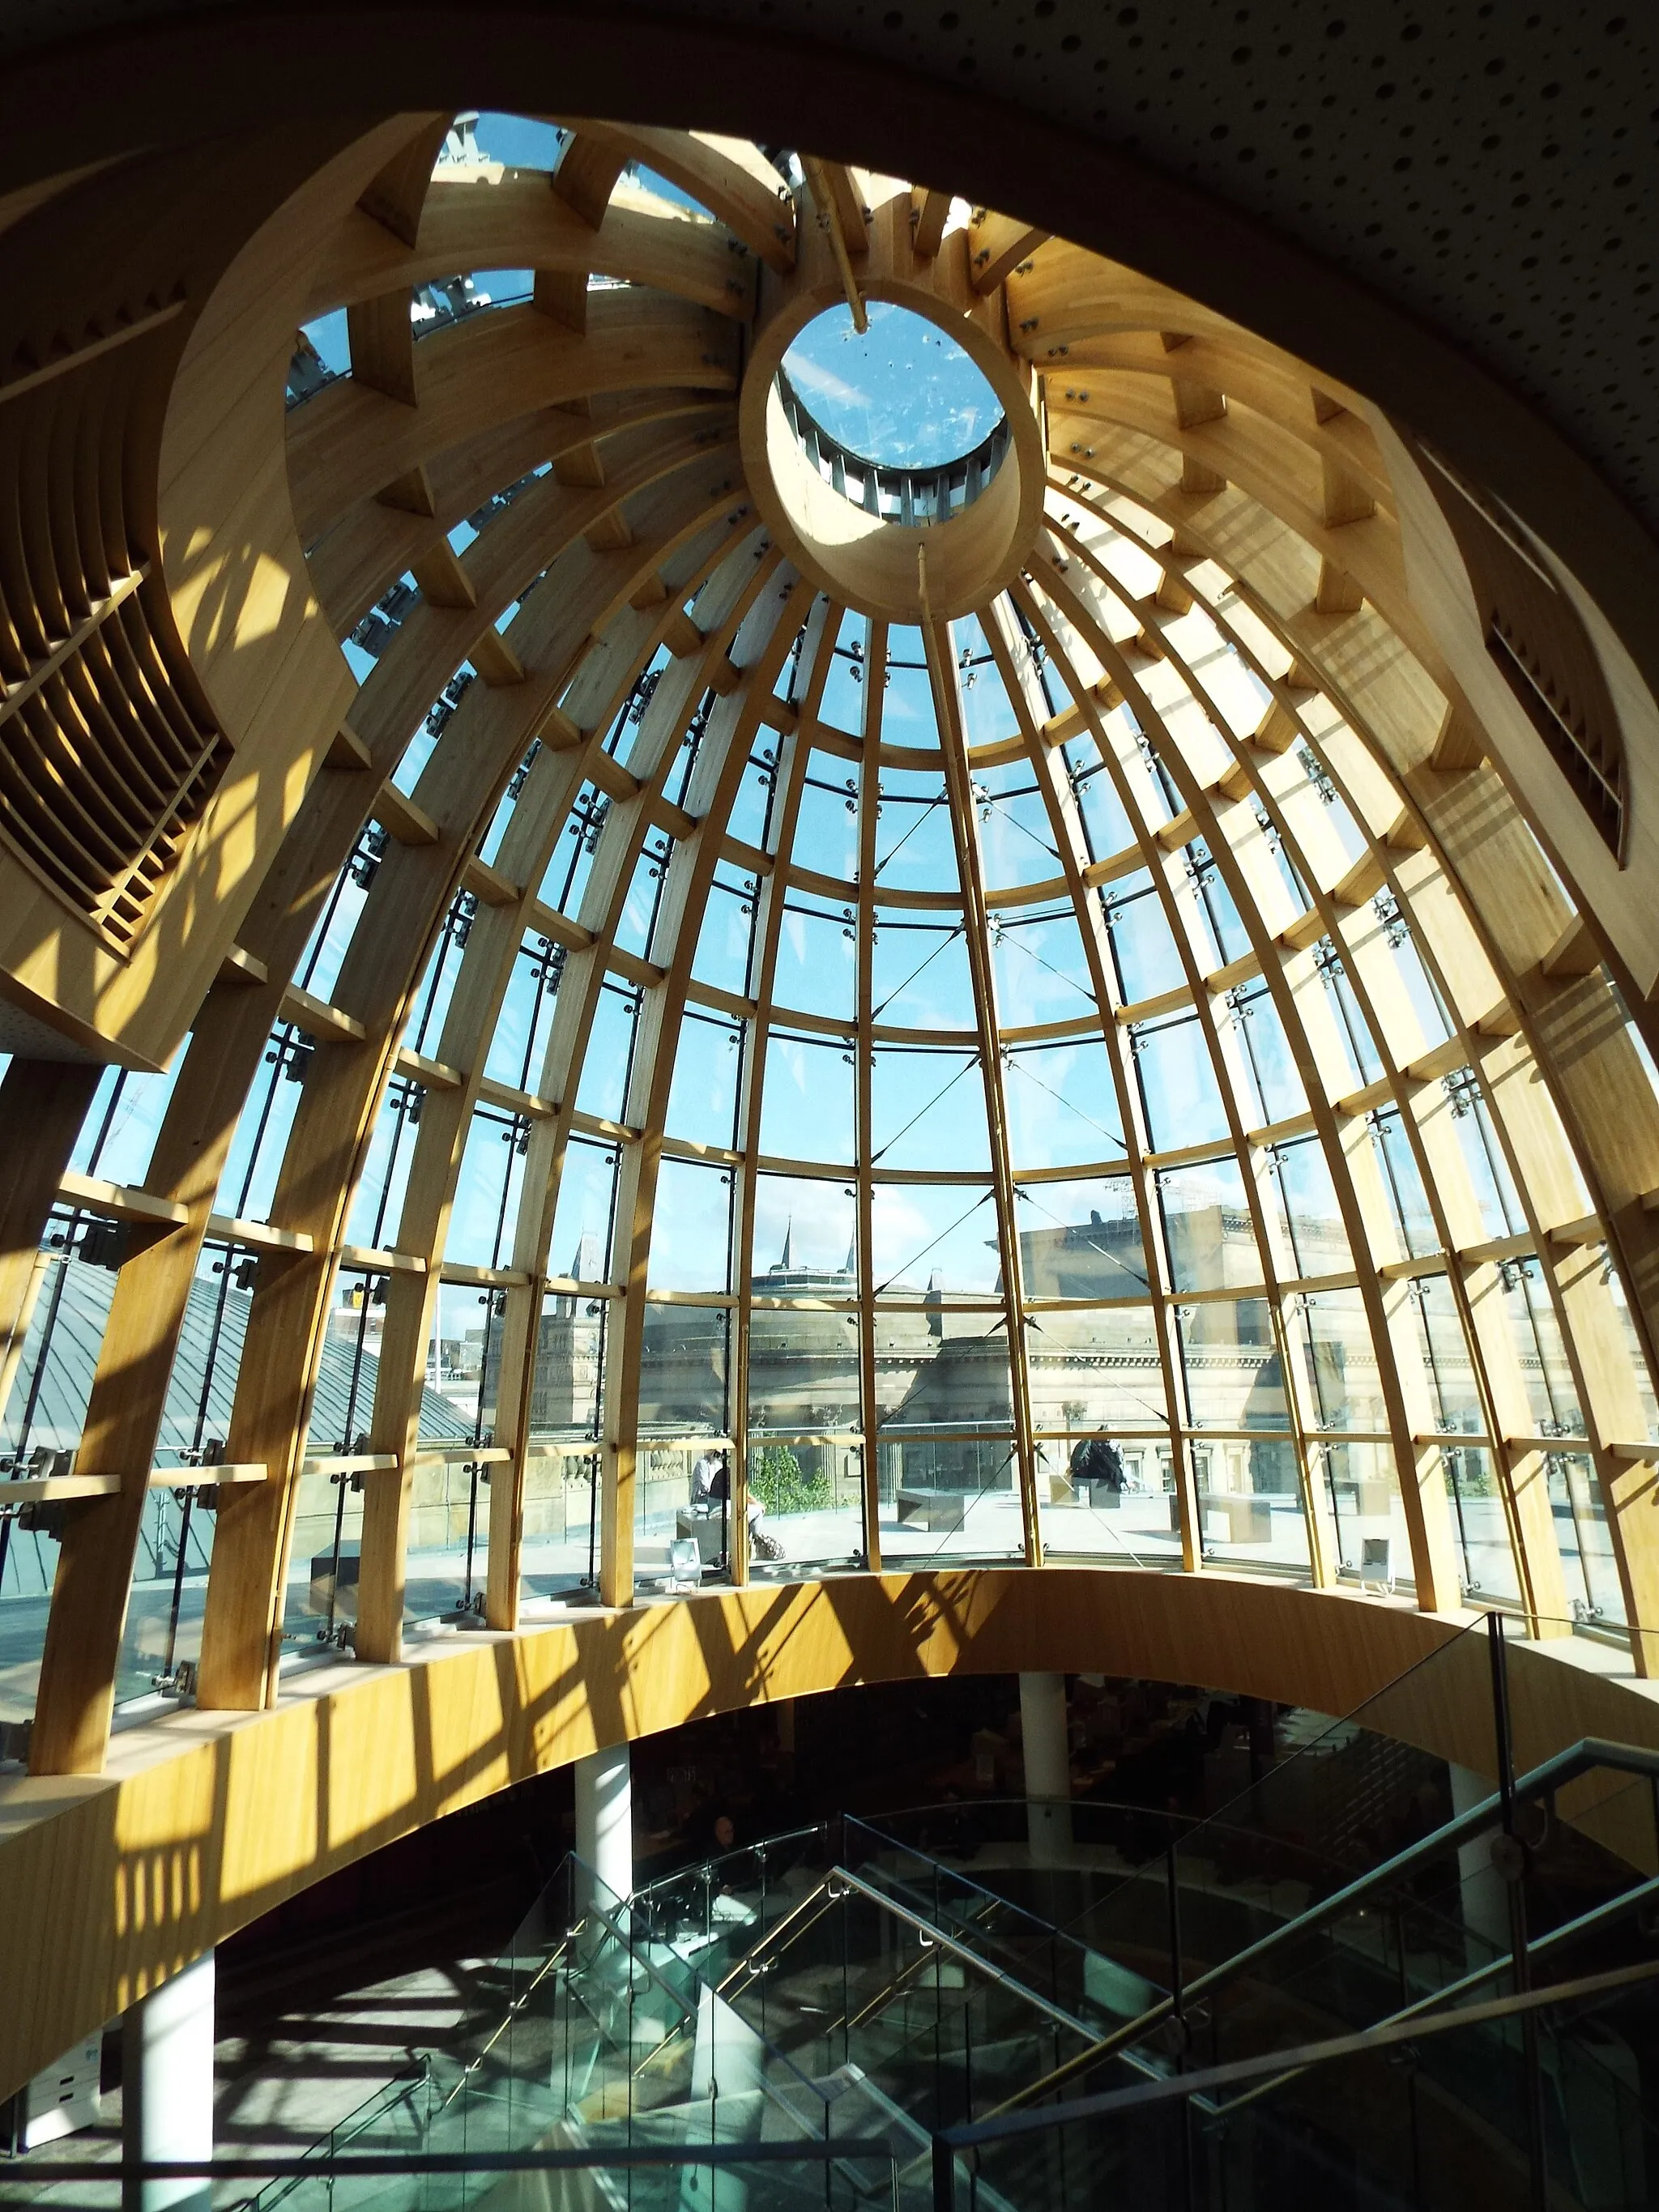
pixel 1207 1226
pixel 1249 1503
pixel 1081 1240
pixel 1231 1362
pixel 1096 1373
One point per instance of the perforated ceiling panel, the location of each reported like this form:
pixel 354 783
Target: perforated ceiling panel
pixel 1492 166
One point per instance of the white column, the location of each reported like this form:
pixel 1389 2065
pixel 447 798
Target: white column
pixel 1047 1766
pixel 605 1817
pixel 1485 1892
pixel 167 2086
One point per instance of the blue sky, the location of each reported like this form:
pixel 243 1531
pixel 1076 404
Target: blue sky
pixel 905 393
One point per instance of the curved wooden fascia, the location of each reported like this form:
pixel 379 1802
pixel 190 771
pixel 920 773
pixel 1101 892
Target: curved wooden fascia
pixel 520 222
pixel 357 562
pixel 346 442
pixel 212 1820
pixel 1613 891
pixel 258 644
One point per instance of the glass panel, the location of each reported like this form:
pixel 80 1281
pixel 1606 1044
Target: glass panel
pixel 1494 1190
pixel 1271 1072
pixel 955 1497
pixel 1535 1333
pixel 249 1181
pixel 163 1624
pixel 914 848
pixel 918 974
pixel 691 1228
pixel 1234 1377
pixel 583 1214
pixel 638 918
pixel 1342 1385
pixel 1579 1512
pixel 1207 1226
pixel 721 959
pixel 816 959
pixel 803 1372
pixel 1110 1497
pixel 448 1540
pixel 1096 1373
pixel 1039 967
pixel 682 1377
pixel 118 1133
pixel 1249 1503
pixel 751 810
pixel 940 1239
pixel 74 1285
pixel 811 1226
pixel 518 1044
pixel 928 1111
pixel 1017 841
pixel 1403 1182
pixel 608 1059
pixel 1177 1079
pixel 320 1604
pixel 810 1496
pixel 702 1099
pixel 1105 824
pixel 487 1188
pixel 843 694
pixel 561 1526
pixel 28 1564
pixel 1061 1105
pixel 378 1204
pixel 1148 958
pixel 1081 1240
pixel 806 1107
pixel 1363 1488
pixel 827 826
pixel 561 1550
pixel 1483 1536
pixel 1310 1219
pixel 1447 1370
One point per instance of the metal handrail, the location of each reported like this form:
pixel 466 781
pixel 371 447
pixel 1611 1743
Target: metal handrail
pixel 1174 2087
pixel 1582 1758
pixel 962 1951
pixel 808 2149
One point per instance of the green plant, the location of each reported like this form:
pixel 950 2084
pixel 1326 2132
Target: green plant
pixel 777 1481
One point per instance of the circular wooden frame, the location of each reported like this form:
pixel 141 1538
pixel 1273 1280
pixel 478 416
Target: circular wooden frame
pixel 860 560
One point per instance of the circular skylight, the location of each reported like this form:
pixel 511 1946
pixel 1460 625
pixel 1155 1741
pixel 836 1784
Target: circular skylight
pixel 903 394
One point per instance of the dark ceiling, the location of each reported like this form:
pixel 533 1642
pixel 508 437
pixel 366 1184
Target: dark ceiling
pixel 1490 167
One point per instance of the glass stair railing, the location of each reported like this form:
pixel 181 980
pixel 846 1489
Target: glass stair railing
pixel 842 1998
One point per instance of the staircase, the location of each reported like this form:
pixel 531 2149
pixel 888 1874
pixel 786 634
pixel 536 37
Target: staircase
pixel 838 1998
